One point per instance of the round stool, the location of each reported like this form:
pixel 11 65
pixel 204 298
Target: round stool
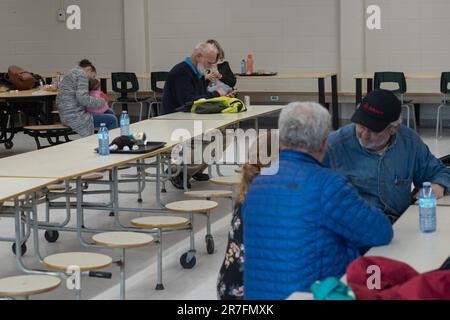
pixel 92 177
pixel 209 194
pixel 160 223
pixel 197 207
pixel 227 181
pixel 122 240
pixel 212 194
pixel 58 187
pixel 86 261
pixel 27 285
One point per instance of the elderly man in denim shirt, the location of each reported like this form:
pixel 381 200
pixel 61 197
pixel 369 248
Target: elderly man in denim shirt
pixel 382 158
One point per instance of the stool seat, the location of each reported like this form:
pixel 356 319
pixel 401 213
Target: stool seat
pixel 209 194
pixel 227 181
pixel 39 194
pixel 27 285
pixel 92 177
pixel 160 222
pixel 87 261
pixel 58 187
pixel 192 206
pixel 47 127
pixel 122 240
pixel 52 133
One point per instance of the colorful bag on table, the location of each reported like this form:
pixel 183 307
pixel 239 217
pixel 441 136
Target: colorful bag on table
pixel 216 105
pixel 21 79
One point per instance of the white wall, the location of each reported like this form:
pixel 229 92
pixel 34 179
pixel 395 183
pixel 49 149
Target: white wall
pixel 31 36
pixel 284 36
pixel 413 38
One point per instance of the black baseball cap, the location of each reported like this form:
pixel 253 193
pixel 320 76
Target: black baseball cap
pixel 377 110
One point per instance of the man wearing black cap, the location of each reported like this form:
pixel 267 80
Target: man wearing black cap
pixel 382 159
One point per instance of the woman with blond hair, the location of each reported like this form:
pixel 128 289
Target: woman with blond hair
pixel 262 154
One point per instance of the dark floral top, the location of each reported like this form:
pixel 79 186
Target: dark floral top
pixel 231 276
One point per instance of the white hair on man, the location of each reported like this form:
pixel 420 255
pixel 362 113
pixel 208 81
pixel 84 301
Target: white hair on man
pixel 204 48
pixel 304 125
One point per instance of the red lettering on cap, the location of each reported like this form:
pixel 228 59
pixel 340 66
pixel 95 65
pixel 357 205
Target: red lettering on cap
pixel 373 109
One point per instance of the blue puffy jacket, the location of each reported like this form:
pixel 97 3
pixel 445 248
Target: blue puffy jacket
pixel 304 224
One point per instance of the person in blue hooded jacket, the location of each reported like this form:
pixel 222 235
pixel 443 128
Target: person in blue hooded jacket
pixel 305 222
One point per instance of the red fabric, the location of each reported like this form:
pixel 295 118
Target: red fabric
pixel 398 281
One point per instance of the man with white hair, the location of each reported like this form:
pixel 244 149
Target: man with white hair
pixel 382 158
pixel 304 223
pixel 186 83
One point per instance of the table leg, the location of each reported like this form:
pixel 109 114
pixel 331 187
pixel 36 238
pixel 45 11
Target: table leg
pixel 417 113
pixel 334 102
pixel 369 85
pixel 321 82
pixel 358 91
pixel 103 85
pixel 123 86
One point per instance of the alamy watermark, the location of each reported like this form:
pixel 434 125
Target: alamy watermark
pixel 73 21
pixel 73 281
pixel 230 146
pixel 373 22
pixel 373 282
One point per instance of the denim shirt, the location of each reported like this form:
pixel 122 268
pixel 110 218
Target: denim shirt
pixel 385 181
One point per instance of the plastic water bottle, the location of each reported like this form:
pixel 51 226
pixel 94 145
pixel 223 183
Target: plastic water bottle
pixel 243 66
pixel 427 209
pixel 124 124
pixel 103 140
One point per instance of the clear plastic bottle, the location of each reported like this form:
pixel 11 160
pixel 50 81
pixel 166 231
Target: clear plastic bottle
pixel 250 69
pixel 124 124
pixel 427 209
pixel 243 66
pixel 103 140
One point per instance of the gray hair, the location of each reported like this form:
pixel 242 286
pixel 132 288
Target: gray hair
pixel 304 125
pixel 204 48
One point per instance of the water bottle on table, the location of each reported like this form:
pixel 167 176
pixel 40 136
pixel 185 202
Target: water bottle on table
pixel 243 66
pixel 427 209
pixel 124 124
pixel 103 140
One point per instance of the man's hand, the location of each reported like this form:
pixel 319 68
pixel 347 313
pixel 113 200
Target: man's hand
pixel 212 75
pixel 221 91
pixel 232 94
pixel 437 189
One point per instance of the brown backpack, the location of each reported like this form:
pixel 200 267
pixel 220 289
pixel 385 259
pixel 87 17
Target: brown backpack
pixel 21 79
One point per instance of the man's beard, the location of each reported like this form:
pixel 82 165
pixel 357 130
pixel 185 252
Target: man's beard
pixel 201 68
pixel 373 146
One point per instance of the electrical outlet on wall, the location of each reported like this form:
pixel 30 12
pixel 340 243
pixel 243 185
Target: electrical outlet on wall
pixel 61 15
pixel 274 98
